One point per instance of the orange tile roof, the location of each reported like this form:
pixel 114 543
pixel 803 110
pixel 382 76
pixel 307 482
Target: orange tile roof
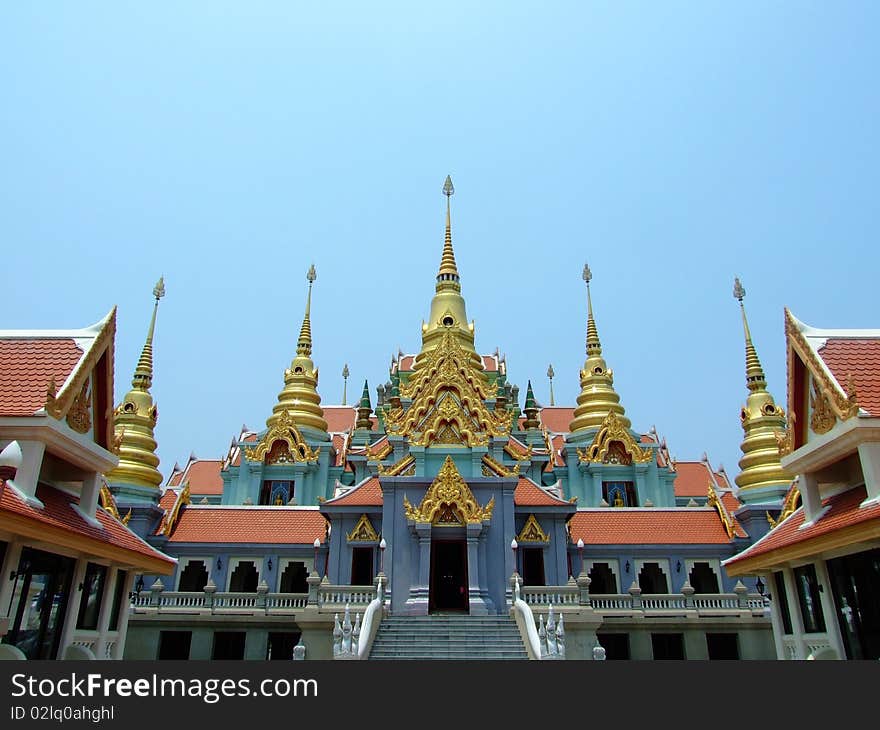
pixel 406 362
pixel 517 446
pixel 558 444
pixel 693 479
pixel 621 526
pixel 175 479
pixel 57 513
pixel 732 504
pixel 339 448
pixel 204 477
pixel 529 494
pixel 842 511
pixel 279 525
pixel 167 500
pixel 26 367
pixel 367 494
pixel 340 419
pixel 861 359
pixel 556 419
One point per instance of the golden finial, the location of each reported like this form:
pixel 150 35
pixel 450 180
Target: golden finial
pixel 345 374
pixel 448 270
pixel 550 375
pixel 304 344
pixel 448 188
pixel 143 374
pixel 159 289
pixel 755 379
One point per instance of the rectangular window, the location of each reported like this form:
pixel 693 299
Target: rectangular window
pixel 277 492
pixel 619 494
pixel 722 646
pixel 808 597
pixel 118 598
pixel 782 599
pixel 174 644
pixel 280 645
pixel 92 593
pixel 616 645
pixel 228 645
pixel 668 646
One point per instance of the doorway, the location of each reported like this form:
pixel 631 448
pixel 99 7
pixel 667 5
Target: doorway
pixel 39 603
pixel 449 578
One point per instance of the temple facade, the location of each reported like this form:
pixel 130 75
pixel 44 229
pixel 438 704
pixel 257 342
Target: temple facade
pixel 453 501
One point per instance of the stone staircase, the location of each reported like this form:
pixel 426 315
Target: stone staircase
pixel 459 637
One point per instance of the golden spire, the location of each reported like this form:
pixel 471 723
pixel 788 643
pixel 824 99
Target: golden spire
pixel 597 397
pixel 448 312
pixel 299 397
pixel 136 418
pixel 761 474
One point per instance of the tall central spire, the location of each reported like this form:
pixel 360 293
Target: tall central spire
pixel 448 313
pixel 299 397
pixel 597 397
pixel 761 476
pixel 136 419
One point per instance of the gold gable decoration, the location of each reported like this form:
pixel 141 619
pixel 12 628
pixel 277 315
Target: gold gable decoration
pixel 400 468
pixel 532 532
pixel 79 417
pixel 448 391
pixel 613 430
pixel 449 501
pixel 363 531
pixel 283 430
pixel 171 518
pixel 715 501
pixel 497 469
pixel 106 500
pixel 789 505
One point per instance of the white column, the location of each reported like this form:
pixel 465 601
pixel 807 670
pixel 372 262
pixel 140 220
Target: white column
pixel 809 489
pixel 105 610
pixel 27 475
pixel 826 599
pixel 124 613
pixel 794 608
pixel 88 498
pixel 10 564
pixel 73 603
pixel 775 615
pixel 869 455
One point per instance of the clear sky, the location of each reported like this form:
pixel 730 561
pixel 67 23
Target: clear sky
pixel 227 146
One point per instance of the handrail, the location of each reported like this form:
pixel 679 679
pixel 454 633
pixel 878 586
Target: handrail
pixel 525 621
pixel 370 626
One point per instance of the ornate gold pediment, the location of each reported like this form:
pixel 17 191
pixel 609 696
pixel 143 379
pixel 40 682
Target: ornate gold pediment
pixel 603 449
pixel 449 501
pixel 532 532
pixel 363 531
pixel 106 500
pixel 79 417
pixel 715 501
pixel 282 443
pixel 448 390
pixel 822 418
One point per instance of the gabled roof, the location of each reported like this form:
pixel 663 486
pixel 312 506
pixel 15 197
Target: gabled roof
pixel 694 477
pixel 32 359
pixel 556 419
pixel 529 494
pixel 340 419
pixel 652 526
pixel 859 358
pixel 203 476
pixel 406 362
pixel 366 494
pixel 57 522
pixel 249 525
pixel 843 521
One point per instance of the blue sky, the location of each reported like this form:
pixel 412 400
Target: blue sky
pixel 227 146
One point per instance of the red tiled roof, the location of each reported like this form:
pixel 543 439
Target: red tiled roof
pixel 517 446
pixel 280 525
pixel 339 448
pixel 558 444
pixel 529 494
pixel 861 359
pixel 367 494
pixel 489 363
pixel 693 479
pixel 731 503
pixel 620 526
pixel 406 363
pixel 175 479
pixel 57 513
pixel 167 500
pixel 204 477
pixel 26 367
pixel 843 511
pixel 376 447
pixel 557 419
pixel 339 418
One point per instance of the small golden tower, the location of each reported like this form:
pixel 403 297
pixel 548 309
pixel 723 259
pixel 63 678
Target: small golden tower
pixel 761 473
pixel 597 397
pixel 136 418
pixel 299 397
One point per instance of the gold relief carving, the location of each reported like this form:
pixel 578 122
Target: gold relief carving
pixel 516 456
pixel 399 468
pixel 363 531
pixel 791 502
pixel 612 431
pixel 171 519
pixel 532 532
pixel 382 453
pixel 448 392
pixel 116 440
pixel 127 517
pixel 105 499
pixel 449 494
pixel 822 418
pixel 715 501
pixel 497 469
pixel 284 430
pixel 79 417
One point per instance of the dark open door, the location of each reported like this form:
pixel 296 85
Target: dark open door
pixel 448 576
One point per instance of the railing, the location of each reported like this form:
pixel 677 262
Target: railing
pixel 550 596
pixel 809 646
pixel 329 595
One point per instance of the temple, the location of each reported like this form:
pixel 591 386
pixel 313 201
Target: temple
pixel 463 511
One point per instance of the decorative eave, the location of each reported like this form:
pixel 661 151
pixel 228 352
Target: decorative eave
pixel 108 502
pixel 726 518
pixel 532 532
pixel 284 430
pixel 170 520
pixel 789 505
pixel 613 429
pixel 404 467
pixel 496 468
pixel 449 496
pixel 363 531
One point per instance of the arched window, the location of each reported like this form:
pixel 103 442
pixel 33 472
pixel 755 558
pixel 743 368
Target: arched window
pixel 703 578
pixel 602 580
pixel 293 579
pixel 194 576
pixel 652 579
pixel 243 578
